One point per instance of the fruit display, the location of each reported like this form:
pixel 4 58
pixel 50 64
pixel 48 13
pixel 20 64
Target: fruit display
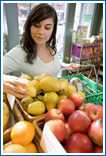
pixel 45 93
pixel 82 133
pixel 76 124
pixel 21 138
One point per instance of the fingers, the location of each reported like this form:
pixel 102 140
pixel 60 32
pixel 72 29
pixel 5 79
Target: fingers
pixel 15 90
pixel 15 80
pixel 16 94
pixel 16 84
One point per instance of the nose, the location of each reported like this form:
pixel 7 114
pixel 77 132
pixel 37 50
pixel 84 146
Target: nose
pixel 41 31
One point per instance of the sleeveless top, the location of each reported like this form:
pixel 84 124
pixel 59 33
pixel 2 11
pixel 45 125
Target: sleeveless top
pixel 14 61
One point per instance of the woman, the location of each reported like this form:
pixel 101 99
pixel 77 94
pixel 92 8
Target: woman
pixel 36 53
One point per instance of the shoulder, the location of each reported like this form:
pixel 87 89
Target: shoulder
pixel 16 51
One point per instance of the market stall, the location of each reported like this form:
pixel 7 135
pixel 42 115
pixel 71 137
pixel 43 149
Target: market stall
pixel 60 110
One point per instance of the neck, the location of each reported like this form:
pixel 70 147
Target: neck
pixel 41 47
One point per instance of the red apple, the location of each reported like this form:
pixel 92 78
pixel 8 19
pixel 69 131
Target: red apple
pixel 54 114
pixel 94 111
pixel 58 128
pixel 77 99
pixel 96 132
pixel 79 121
pixel 79 143
pixel 66 106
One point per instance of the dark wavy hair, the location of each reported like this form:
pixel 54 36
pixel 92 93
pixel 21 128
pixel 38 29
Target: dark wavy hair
pixel 37 14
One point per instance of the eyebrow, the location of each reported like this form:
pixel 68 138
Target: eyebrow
pixel 49 24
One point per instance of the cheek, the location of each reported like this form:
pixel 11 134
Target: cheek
pixel 49 34
pixel 33 31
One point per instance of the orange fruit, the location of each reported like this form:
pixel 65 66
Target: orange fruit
pixel 15 148
pixel 31 148
pixel 22 132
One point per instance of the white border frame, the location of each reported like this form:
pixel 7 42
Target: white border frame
pixel 2 2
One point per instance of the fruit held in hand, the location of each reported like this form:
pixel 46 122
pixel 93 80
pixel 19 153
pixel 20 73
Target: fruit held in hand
pixel 36 84
pixel 31 90
pixel 36 108
pixel 22 132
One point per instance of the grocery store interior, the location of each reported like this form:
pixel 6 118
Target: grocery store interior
pixel 79 29
pixel 79 43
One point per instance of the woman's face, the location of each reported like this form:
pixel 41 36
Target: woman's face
pixel 41 32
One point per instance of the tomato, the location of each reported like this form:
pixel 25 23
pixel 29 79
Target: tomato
pixel 79 121
pixel 96 132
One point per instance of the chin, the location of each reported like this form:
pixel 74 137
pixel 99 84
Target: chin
pixel 40 42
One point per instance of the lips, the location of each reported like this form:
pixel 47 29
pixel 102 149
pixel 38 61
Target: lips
pixel 39 37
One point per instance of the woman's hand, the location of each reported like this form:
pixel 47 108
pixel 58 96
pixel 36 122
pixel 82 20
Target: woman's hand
pixel 15 86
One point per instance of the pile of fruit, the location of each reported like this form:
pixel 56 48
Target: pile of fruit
pixel 22 135
pixel 46 91
pixel 76 124
pixel 79 129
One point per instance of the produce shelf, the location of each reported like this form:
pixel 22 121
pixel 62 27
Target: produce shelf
pixel 93 91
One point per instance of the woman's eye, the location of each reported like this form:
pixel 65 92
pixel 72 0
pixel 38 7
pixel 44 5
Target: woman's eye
pixel 47 28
